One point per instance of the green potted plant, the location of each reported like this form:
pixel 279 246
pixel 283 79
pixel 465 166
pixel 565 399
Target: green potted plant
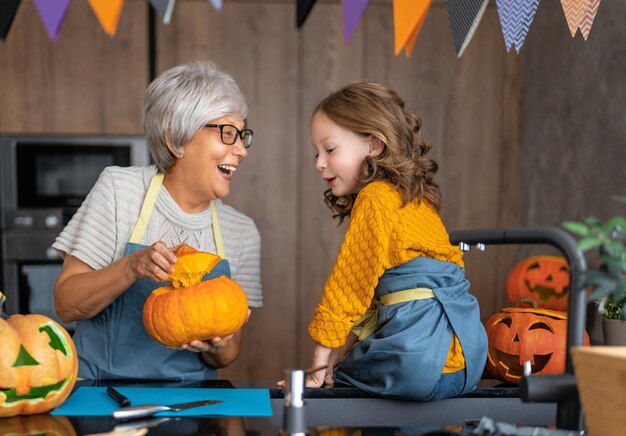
pixel 605 241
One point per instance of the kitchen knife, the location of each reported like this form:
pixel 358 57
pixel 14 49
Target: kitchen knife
pixel 133 412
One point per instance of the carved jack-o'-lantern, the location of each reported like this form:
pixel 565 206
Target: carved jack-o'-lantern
pixel 545 279
pixel 38 364
pixel 517 335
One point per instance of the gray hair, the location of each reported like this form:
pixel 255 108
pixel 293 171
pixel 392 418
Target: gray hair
pixel 182 100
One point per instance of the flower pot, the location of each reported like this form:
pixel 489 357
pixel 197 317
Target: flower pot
pixel 601 382
pixel 614 331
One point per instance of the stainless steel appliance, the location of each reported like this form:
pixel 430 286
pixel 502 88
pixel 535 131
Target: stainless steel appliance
pixel 43 181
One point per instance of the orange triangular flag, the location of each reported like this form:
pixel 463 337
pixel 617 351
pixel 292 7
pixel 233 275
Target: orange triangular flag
pixel 587 20
pixel 574 11
pixel 411 41
pixel 408 16
pixel 108 13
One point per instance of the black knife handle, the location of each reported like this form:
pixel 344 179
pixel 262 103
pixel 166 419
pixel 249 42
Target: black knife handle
pixel 118 397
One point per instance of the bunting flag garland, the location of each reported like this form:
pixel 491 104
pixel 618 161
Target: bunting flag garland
pixel 108 13
pixel 52 13
pixel 580 15
pixel 515 19
pixel 8 9
pixel 590 15
pixel 164 8
pixel 408 17
pixel 303 8
pixel 464 16
pixel 217 4
pixel 352 11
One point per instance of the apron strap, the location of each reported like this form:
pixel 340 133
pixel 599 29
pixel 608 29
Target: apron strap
pixel 368 323
pixel 217 233
pixel 146 208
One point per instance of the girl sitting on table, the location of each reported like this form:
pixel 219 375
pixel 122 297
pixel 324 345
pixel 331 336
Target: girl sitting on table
pixel 422 338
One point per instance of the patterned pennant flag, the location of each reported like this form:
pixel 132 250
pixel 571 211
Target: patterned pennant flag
pixel 217 4
pixel 108 13
pixel 464 16
pixel 303 7
pixel 574 11
pixel 352 11
pixel 164 8
pixel 590 15
pixel 8 9
pixel 52 13
pixel 580 15
pixel 408 17
pixel 515 19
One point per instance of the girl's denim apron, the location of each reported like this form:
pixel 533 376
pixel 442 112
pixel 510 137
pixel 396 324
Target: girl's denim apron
pixel 405 355
pixel 114 343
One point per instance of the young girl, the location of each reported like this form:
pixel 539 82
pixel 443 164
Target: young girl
pixel 422 338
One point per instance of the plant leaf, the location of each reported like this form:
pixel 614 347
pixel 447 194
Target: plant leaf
pixel 576 228
pixel 588 243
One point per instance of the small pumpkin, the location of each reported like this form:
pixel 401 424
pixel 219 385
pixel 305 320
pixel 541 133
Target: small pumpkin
pixel 190 308
pixel 38 364
pixel 519 334
pixel 543 278
pixel 37 425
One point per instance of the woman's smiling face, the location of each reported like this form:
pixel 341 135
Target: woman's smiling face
pixel 211 163
pixel 339 154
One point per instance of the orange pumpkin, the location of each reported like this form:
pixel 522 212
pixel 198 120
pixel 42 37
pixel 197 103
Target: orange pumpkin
pixel 190 308
pixel 545 279
pixel 38 364
pixel 518 334
pixel 40 424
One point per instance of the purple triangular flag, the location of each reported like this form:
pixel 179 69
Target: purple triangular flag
pixel 52 14
pixel 352 11
pixel 8 9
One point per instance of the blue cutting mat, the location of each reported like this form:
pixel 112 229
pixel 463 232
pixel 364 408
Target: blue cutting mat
pixel 94 401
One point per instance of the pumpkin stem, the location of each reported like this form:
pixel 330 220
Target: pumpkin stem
pixel 527 300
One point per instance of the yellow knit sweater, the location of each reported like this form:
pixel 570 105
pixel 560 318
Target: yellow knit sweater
pixel 381 235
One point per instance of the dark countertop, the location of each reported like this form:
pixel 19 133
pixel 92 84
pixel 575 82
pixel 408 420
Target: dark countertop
pixel 324 409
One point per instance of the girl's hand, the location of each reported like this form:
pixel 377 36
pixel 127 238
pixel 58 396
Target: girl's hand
pixel 155 262
pixel 321 356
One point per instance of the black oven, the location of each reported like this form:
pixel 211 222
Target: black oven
pixel 43 181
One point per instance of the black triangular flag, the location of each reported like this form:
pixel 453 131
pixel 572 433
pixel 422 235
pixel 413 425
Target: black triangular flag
pixel 303 7
pixel 464 16
pixel 8 8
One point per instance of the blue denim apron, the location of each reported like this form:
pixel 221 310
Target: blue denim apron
pixel 405 355
pixel 114 343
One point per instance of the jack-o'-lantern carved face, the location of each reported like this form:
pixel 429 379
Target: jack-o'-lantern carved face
pixel 542 278
pixel 517 335
pixel 38 365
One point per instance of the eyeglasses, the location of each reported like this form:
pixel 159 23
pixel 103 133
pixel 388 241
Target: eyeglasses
pixel 230 133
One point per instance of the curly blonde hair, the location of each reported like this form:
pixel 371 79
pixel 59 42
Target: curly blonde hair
pixel 372 109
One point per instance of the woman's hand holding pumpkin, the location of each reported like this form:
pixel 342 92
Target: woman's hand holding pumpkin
pixel 155 262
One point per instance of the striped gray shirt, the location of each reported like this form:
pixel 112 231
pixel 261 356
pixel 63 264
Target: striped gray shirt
pixel 97 234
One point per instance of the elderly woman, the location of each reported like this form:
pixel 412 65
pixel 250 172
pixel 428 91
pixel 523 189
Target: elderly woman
pixel 118 246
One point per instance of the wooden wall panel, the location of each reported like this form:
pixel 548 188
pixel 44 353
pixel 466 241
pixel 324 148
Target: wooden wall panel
pixel 574 122
pixel 254 41
pixel 85 82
